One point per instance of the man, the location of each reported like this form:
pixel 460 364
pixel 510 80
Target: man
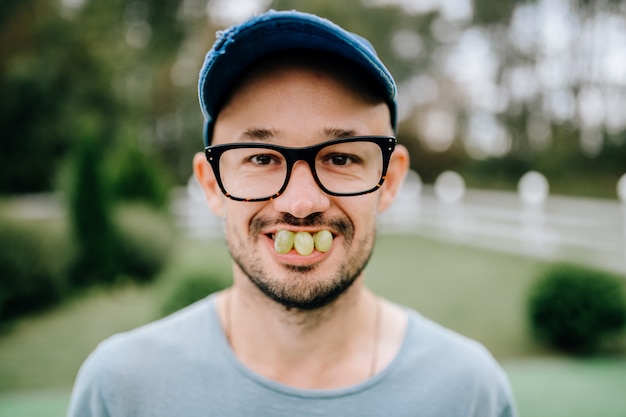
pixel 300 158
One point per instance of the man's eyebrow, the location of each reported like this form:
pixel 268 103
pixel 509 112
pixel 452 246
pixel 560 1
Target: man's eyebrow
pixel 259 134
pixel 264 135
pixel 338 133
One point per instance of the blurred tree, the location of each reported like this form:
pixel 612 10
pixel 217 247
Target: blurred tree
pixel 60 63
pixel 523 83
pixel 90 211
pixel 48 78
pixel 136 176
pixel 493 11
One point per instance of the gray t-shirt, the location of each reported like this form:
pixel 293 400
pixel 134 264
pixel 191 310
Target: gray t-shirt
pixel 183 366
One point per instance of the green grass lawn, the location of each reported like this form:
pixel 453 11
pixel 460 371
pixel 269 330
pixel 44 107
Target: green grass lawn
pixel 478 293
pixel 50 403
pixel 562 387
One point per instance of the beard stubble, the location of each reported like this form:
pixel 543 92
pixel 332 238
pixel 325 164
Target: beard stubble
pixel 303 288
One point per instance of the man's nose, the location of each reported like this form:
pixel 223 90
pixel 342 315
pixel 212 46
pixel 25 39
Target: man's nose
pixel 302 196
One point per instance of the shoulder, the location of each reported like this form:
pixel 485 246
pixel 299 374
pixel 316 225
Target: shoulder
pixel 454 366
pixel 185 326
pixel 145 368
pixel 436 340
pixel 154 346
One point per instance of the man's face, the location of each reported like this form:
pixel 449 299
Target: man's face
pixel 297 108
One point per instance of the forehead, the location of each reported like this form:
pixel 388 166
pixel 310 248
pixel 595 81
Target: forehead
pixel 354 79
pixel 304 87
pixel 298 107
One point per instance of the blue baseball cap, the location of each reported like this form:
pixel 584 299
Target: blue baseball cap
pixel 240 46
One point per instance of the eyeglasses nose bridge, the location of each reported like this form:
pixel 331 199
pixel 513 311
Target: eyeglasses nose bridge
pixel 307 155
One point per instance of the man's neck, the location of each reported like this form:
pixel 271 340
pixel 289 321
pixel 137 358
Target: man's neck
pixel 330 347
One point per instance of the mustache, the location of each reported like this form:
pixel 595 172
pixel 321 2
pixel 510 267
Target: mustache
pixel 341 225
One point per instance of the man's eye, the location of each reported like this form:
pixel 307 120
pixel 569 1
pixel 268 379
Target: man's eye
pixel 262 159
pixel 340 159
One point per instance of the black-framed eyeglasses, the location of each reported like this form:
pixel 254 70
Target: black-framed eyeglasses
pixel 254 171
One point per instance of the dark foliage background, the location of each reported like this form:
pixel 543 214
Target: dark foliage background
pixel 129 69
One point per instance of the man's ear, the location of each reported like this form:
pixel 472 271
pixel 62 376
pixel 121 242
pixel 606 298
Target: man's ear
pixel 398 168
pixel 206 178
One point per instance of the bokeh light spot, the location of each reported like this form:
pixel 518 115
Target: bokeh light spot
pixel 450 187
pixel 533 188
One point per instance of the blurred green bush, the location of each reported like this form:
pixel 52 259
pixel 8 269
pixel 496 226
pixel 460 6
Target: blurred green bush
pixel 192 286
pixel 576 309
pixel 145 240
pixel 90 204
pixel 33 267
pixel 112 238
pixel 37 259
pixel 139 176
pixel 104 240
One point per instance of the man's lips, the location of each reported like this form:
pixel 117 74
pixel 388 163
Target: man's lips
pixel 304 242
pixel 335 227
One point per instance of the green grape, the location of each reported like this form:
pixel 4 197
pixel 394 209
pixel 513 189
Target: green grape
pixel 323 240
pixel 303 243
pixel 283 241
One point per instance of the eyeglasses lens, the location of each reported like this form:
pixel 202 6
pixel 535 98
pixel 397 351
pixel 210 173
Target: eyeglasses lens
pixel 341 168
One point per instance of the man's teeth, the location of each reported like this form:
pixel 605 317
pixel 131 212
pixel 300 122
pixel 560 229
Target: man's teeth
pixel 304 242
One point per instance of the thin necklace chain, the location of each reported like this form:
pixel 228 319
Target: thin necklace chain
pixel 376 338
pixel 377 320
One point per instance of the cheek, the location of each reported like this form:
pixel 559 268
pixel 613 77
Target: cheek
pixel 362 212
pixel 238 215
